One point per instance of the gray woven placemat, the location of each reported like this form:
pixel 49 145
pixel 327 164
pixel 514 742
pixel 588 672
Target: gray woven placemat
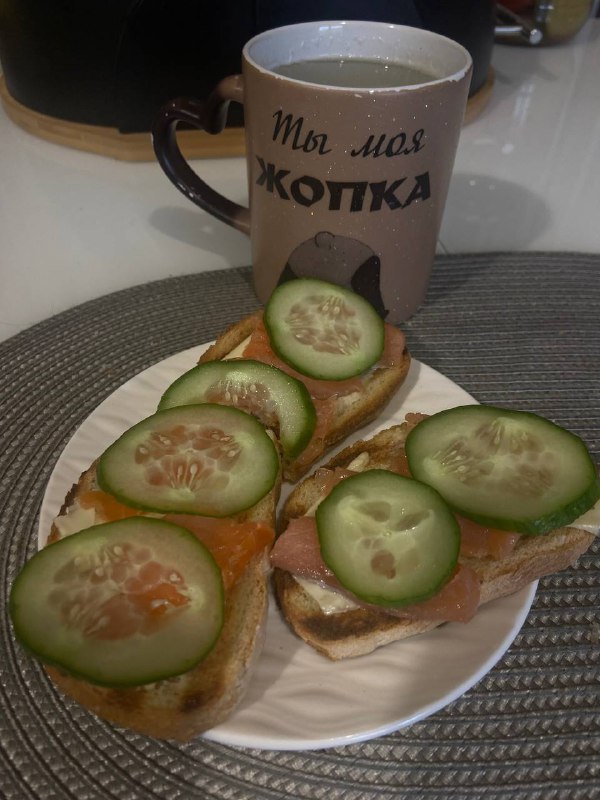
pixel 515 329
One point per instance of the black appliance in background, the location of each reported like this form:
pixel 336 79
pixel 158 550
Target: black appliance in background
pixel 114 63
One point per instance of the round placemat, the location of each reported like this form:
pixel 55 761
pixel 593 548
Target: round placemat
pixel 512 329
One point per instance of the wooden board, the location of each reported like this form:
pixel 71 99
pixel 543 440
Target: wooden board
pixel 112 143
pixel 477 103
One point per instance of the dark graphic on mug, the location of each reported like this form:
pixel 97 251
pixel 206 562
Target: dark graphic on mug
pixel 339 259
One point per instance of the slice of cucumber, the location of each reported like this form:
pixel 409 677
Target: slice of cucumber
pixel 199 459
pixel 323 330
pixel 390 540
pixel 506 469
pixel 281 402
pixel 120 604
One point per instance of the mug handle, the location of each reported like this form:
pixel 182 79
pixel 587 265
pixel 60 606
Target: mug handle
pixel 210 117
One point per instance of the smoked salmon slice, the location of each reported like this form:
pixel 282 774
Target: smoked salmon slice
pixel 297 551
pixel 232 544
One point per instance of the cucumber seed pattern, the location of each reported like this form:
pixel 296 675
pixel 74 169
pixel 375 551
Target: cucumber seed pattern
pixel 502 455
pixel 326 323
pixel 117 592
pixel 254 398
pixel 189 457
pixel 391 525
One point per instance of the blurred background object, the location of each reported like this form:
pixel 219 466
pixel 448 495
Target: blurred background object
pixel 556 20
pixel 93 75
pixel 90 73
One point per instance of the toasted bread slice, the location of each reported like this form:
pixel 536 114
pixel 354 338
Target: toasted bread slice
pixel 352 411
pixel 361 630
pixel 182 707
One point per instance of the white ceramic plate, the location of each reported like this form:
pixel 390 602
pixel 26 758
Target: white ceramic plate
pixel 299 700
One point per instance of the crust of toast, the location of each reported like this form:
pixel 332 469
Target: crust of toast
pixel 360 631
pixel 231 337
pixel 351 412
pixel 182 707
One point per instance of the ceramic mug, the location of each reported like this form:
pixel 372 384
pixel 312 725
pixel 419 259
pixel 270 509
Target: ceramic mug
pixel 347 176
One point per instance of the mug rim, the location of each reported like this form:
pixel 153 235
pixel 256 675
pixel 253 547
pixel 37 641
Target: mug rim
pixel 422 33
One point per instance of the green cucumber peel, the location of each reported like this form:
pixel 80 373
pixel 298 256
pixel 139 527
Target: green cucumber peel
pixel 323 330
pixel 278 400
pixel 390 540
pixel 205 459
pixel 55 579
pixel 505 469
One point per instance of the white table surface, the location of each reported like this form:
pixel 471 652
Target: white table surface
pixel 75 226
